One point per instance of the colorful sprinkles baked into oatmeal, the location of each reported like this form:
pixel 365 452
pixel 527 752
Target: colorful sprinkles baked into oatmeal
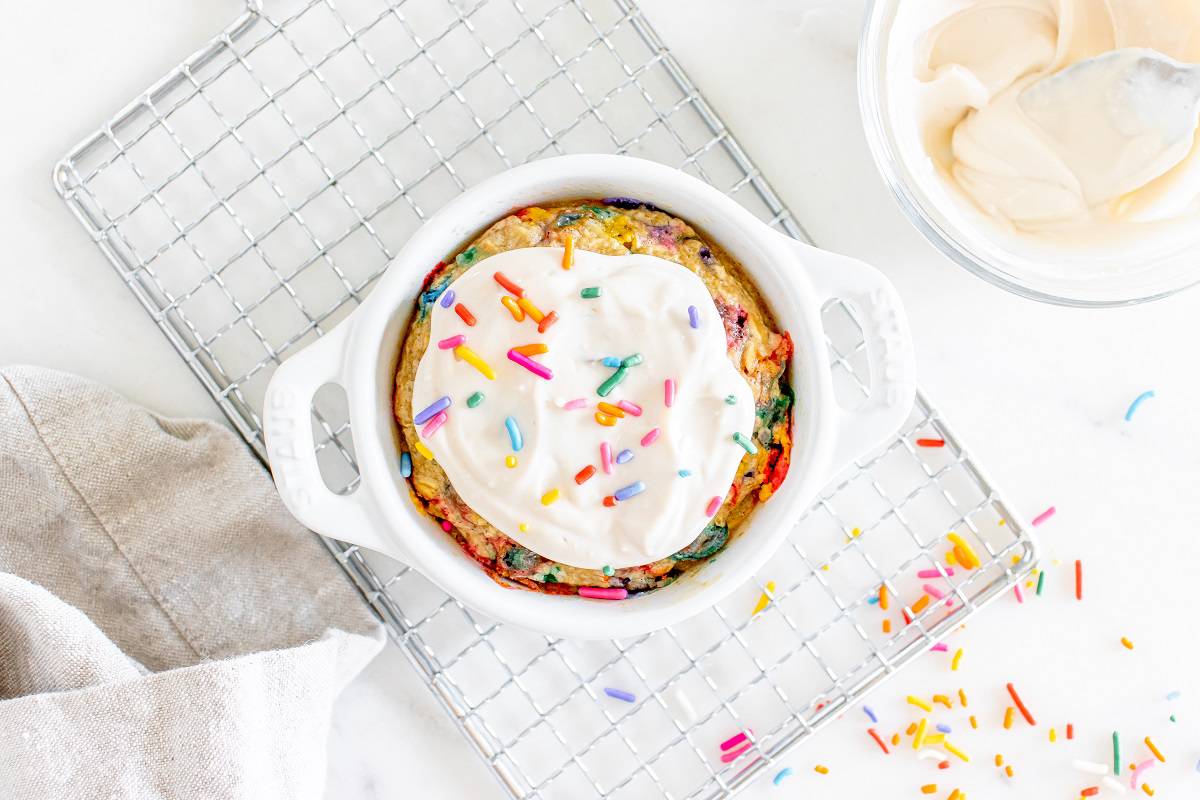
pixel 622 327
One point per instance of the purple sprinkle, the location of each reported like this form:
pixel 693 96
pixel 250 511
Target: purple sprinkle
pixel 629 203
pixel 629 491
pixel 694 316
pixel 620 694
pixel 870 713
pixel 624 457
pixel 447 298
pixel 943 727
pixel 706 255
pixel 431 411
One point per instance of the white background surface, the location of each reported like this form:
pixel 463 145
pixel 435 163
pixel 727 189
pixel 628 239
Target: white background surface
pixel 1037 392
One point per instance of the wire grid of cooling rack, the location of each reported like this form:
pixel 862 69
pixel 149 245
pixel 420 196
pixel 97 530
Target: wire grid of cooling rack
pixel 251 198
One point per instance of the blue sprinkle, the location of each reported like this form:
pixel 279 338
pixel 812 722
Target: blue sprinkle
pixel 448 298
pixel 870 712
pixel 514 434
pixel 405 465
pixel 624 457
pixel 629 491
pixel 432 410
pixel 872 601
pixel 1198 766
pixel 779 776
pixel 1175 695
pixel 1137 402
pixel 943 727
pixel 620 694
pixel 611 362
pixel 694 316
pixel 683 473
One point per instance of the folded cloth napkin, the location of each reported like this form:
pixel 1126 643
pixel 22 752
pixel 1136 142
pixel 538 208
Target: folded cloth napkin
pixel 167 630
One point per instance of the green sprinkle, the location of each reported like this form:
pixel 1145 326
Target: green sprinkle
pixel 591 293
pixel 474 400
pixel 1116 753
pixel 567 218
pixel 549 578
pixel 610 384
pixel 1041 580
pixel 632 361
pixel 730 400
pixel 467 257
pixel 745 443
pixel 607 570
pixel 1173 718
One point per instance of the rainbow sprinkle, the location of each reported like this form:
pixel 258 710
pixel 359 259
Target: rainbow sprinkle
pixel 683 473
pixel 405 465
pixel 601 593
pixel 474 400
pixel 606 461
pixel 465 314
pixel 448 298
pixel 584 475
pixel 471 357
pixel 514 434
pixel 611 410
pixel 624 457
pixel 535 349
pixel 435 424
pixel 528 363
pixel 517 314
pixel 613 380
pixel 568 259
pixel 591 292
pixel 632 361
pixel 619 694
pixel 669 392
pixel 432 410
pixel 605 419
pixel 1137 401
pixel 731 400
pixel 452 342
pixel 508 285
pixel 510 462
pixel 632 490
pixel 745 443
pixel 712 506
pixel 571 405
pixel 549 497
pixel 529 308
pixel 632 408
pixel 779 776
pixel 694 316
pixel 651 437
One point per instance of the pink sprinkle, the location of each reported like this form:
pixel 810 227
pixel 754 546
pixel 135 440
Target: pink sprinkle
pixel 601 593
pixel 933 591
pixel 669 392
pixel 651 437
pixel 452 342
pixel 940 647
pixel 606 458
pixel 1045 515
pixel 933 573
pixel 446 526
pixel 578 402
pixel 529 364
pixel 735 740
pixel 1137 772
pixel 733 754
pixel 1017 592
pixel 713 505
pixel 632 408
pixel 434 425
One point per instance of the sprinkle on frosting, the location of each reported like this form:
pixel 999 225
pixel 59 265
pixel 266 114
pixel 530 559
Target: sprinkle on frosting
pixel 529 308
pixel 612 382
pixel 669 392
pixel 632 490
pixel 611 410
pixel 528 363
pixel 632 408
pixel 475 399
pixel 471 357
pixel 510 462
pixel 624 457
pixel 590 292
pixel 651 437
pixel 605 419
pixel 432 410
pixel 694 317
pixel 435 424
pixel 509 286
pixel 745 443
pixel 448 298
pixel 514 434
pixel 465 314
pixel 518 314
pixel 549 497
pixel 451 342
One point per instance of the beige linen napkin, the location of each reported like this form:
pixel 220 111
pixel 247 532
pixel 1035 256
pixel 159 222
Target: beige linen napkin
pixel 167 630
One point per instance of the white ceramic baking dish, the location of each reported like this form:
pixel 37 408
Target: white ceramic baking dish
pixel 361 355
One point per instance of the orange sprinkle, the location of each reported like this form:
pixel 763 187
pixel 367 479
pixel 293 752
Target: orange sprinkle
pixel 920 605
pixel 929 788
pixel 821 768
pixel 547 321
pixel 966 554
pixel 883 596
pixel 536 349
pixel 1008 717
pixel 1070 731
pixel 878 741
pixel 584 474
pixel 911 729
pixel 941 698
pixel 1078 580
pixel 530 309
pixel 999 760
pixel 1154 749
pixel 1008 770
pixel 568 253
pixel 944 764
pixel 955 795
pixel 1128 644
pixel 887 626
pixel 513 308
pixel 465 314
pixel 610 501
pixel 951 559
pixel 611 410
pixel 1146 788
pixel 962 698
pixel 974 724
pixel 508 285
pixel 1020 705
pixel 895 739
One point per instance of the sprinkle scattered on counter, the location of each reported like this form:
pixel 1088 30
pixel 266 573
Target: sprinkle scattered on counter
pixel 619 694
pixel 781 775
pixel 931 442
pixel 1128 645
pixel 764 599
pixel 1137 402
pixel 1045 515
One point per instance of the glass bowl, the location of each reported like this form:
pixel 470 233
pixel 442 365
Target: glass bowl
pixel 1097 278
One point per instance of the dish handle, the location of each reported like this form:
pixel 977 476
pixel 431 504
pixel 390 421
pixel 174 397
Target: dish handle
pixel 877 309
pixel 291 449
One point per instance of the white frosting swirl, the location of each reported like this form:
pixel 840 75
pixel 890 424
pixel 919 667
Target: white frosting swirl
pixel 643 308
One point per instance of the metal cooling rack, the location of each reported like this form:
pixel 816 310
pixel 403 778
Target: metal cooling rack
pixel 251 198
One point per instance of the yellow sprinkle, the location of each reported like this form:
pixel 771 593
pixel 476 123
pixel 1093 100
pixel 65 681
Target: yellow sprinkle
pixel 511 304
pixel 1128 644
pixel 821 768
pixel 962 698
pixel 957 657
pixel 1016 560
pixel 537 214
pixel 510 461
pixel 1053 735
pixel 1146 788
pixel 1001 522
pixel 1153 749
pixel 952 750
pixel 423 450
pixel 568 253
pixel 929 788
pixel 605 419
pixel 972 560
pixel 919 703
pixel 883 596
pixel 934 738
pixel 471 357
pixel 549 497
pixel 532 349
pixel 825 567
pixel 974 724
pixel 1008 717
pixel 611 410
pixel 523 527
pixel 764 599
pixel 919 736
pixel 951 559
pixel 530 309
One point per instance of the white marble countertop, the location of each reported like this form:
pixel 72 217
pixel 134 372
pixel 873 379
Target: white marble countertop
pixel 1037 392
